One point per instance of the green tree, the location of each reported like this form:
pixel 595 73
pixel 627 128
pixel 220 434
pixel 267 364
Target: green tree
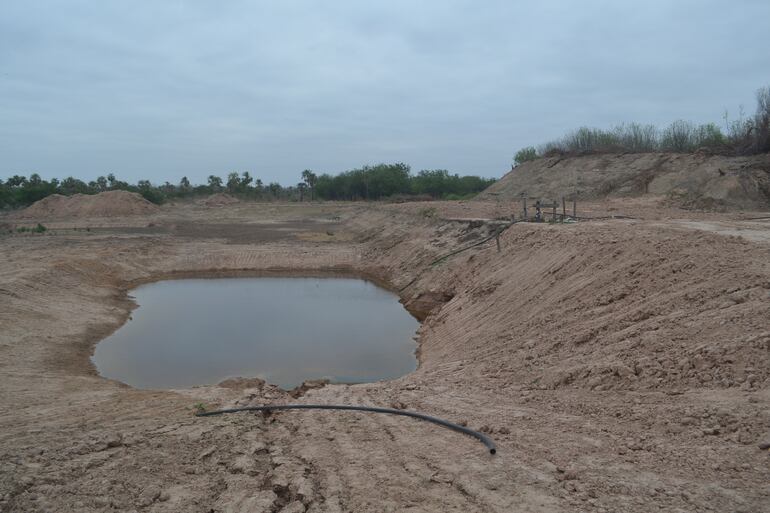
pixel 150 193
pixel 302 187
pixel 31 190
pixel 16 181
pixel 6 195
pixel 245 181
pixel 233 182
pixel 101 183
pixel 215 183
pixel 310 180
pixel 431 181
pixel 71 185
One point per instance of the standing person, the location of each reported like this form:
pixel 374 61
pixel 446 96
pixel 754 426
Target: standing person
pixel 538 214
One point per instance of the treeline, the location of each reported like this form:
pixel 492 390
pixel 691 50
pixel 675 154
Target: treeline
pixel 367 183
pixel 394 180
pixel 746 135
pixel 20 191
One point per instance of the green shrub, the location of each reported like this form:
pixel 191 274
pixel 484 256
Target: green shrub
pixel 429 212
pixel 743 136
pixel 37 229
pixel 152 195
pixel 525 155
pixel 708 136
pixel 637 138
pixel 762 121
pixel 678 137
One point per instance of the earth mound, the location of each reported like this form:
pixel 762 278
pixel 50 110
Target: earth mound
pixel 104 204
pixel 689 180
pixel 219 199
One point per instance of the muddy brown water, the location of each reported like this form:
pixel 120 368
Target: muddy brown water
pixel 284 330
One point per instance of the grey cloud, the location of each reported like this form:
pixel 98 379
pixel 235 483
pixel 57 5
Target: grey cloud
pixel 160 89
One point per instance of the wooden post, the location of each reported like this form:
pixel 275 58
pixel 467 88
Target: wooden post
pixel 563 208
pixel 553 214
pixel 574 208
pixel 524 200
pixel 497 239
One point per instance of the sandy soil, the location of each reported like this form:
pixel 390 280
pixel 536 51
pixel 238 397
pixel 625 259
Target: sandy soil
pixel 620 364
pixel 695 180
pixel 219 199
pixel 81 206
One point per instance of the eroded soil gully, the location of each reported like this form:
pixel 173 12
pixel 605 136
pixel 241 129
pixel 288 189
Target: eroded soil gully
pixel 619 365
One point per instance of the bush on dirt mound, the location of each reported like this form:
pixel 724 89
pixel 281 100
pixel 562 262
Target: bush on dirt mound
pixel 104 204
pixel 219 199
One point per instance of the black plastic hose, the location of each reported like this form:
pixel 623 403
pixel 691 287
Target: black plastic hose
pixel 441 422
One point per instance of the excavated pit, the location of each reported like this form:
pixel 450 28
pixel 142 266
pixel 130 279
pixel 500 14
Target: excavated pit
pixel 619 365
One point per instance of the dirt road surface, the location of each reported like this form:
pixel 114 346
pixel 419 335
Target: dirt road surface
pixel 620 365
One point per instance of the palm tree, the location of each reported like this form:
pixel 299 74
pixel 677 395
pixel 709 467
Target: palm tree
pixel 215 183
pixel 310 179
pixel 301 186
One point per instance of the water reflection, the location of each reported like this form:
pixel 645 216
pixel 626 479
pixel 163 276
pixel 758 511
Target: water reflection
pixel 284 330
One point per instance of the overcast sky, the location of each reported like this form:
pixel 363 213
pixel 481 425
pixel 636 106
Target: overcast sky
pixel 161 89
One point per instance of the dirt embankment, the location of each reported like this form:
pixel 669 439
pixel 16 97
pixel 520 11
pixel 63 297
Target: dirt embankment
pixel 689 180
pixel 619 365
pixel 621 305
pixel 82 206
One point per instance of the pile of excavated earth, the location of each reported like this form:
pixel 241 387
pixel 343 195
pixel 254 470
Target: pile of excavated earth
pixel 219 199
pixel 81 206
pixel 619 364
pixel 695 181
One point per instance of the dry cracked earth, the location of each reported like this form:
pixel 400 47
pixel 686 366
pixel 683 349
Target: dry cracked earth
pixel 619 364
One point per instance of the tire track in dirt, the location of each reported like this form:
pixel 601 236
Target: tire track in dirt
pixel 362 451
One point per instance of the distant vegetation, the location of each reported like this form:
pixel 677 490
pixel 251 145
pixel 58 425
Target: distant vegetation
pixel 741 136
pixel 394 180
pixel 383 181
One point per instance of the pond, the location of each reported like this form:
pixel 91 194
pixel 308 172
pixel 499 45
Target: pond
pixel 283 330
